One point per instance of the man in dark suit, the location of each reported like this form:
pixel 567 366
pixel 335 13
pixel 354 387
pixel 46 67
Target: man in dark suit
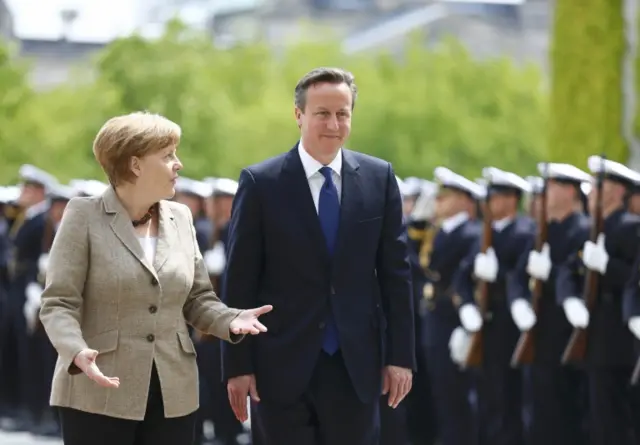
pixel 318 233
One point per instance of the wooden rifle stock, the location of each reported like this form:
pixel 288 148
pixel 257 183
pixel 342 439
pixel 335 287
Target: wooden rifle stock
pixel 476 347
pixel 576 349
pixel 524 354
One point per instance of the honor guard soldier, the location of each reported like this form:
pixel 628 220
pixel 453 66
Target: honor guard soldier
pixel 6 199
pixel 26 236
pixel 194 194
pixel 555 391
pixel 534 198
pixel 227 427
pixel 456 236
pixel 411 188
pixel 613 410
pixel 88 187
pixel 421 229
pixel 499 387
pixel 42 355
pixel 633 199
pixel 418 197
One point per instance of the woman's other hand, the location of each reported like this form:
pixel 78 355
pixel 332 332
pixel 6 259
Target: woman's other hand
pixel 86 361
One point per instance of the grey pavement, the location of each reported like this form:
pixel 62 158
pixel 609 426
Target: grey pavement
pixel 25 439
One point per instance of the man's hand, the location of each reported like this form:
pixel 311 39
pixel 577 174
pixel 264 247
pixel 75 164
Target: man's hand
pixel 397 383
pixel 238 388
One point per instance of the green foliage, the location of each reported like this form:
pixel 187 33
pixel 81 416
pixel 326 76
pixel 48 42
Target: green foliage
pixel 585 104
pixel 428 108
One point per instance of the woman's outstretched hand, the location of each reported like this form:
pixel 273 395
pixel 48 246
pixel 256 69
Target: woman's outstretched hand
pixel 247 322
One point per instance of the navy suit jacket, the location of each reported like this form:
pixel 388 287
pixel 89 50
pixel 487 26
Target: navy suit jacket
pixel 277 255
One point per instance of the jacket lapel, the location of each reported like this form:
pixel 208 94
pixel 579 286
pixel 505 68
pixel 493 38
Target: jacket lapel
pixel 297 188
pixel 351 200
pixel 122 228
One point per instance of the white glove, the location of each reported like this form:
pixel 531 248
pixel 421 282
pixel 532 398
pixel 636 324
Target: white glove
pixel 485 266
pixel 459 344
pixel 33 292
pixel 595 256
pixel 43 263
pixel 576 312
pixel 634 326
pixel 539 263
pixel 470 317
pixel 523 315
pixel 215 259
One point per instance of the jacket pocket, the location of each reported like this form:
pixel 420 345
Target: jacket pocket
pixel 186 344
pixel 104 342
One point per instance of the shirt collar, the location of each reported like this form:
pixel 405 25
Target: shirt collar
pixel 502 224
pixel 312 166
pixel 36 209
pixel 453 222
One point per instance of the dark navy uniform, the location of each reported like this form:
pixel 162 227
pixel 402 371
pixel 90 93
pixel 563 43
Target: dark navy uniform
pixel 450 244
pixel 609 357
pixel 613 404
pixel 26 247
pixel 420 412
pixel 499 386
pixel 449 384
pixel 42 354
pixel 555 390
pixel 215 405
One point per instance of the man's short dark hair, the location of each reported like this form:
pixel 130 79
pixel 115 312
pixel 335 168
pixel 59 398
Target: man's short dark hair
pixel 324 75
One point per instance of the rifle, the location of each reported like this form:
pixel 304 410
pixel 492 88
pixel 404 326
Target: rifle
pixel 476 348
pixel 525 349
pixel 577 347
pixel 636 373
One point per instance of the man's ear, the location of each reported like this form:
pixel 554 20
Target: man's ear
pixel 298 114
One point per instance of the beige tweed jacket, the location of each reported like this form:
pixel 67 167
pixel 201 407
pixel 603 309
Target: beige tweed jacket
pixel 103 294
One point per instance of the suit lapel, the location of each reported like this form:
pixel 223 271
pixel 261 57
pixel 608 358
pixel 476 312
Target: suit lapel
pixel 122 228
pixel 297 187
pixel 166 235
pixel 351 200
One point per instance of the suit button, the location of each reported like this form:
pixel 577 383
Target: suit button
pixel 321 325
pixel 153 309
pixel 150 338
pixel 154 281
pixel 333 291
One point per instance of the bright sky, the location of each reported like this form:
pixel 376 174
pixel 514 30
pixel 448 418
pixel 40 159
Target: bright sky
pixel 98 20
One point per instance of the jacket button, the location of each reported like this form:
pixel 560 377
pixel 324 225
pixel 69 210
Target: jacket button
pixel 333 290
pixel 321 325
pixel 154 281
pixel 153 309
pixel 150 338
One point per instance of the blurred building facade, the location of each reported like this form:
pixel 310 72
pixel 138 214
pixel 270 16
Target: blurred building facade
pixel 6 21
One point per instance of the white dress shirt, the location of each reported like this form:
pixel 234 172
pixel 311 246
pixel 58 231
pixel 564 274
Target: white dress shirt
pixel 149 244
pixel 315 178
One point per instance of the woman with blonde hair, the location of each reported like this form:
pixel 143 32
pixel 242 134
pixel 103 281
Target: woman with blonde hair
pixel 125 278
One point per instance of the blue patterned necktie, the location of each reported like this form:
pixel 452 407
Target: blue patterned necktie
pixel 329 215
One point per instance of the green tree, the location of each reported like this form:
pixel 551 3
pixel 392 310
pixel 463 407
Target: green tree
pixel 427 108
pixel 15 94
pixel 586 102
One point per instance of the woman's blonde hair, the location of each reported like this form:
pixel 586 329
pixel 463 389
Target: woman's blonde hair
pixel 137 134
